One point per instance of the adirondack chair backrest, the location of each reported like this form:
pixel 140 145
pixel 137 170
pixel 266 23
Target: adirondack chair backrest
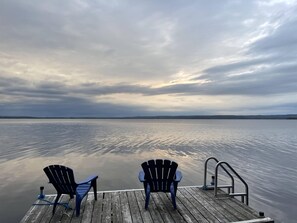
pixel 159 174
pixel 62 178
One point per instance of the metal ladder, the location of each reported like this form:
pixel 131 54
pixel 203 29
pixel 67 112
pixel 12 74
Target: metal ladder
pixel 231 188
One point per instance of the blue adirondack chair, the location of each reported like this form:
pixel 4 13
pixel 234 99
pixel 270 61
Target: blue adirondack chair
pixel 160 176
pixel 62 178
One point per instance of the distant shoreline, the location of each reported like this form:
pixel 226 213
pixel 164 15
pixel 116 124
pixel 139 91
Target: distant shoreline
pixel 286 117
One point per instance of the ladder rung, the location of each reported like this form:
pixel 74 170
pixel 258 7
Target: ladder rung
pixel 237 194
pixel 220 186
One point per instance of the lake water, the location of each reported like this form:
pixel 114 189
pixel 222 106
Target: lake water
pixel 264 152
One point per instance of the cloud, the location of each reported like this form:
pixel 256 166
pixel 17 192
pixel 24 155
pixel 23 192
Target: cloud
pixel 121 55
pixel 282 42
pixel 148 40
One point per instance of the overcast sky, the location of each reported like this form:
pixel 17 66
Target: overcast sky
pixel 128 58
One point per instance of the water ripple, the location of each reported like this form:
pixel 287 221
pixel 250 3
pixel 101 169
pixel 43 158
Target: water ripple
pixel 263 151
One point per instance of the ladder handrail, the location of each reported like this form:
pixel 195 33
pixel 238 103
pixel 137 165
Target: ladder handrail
pixel 205 173
pixel 220 164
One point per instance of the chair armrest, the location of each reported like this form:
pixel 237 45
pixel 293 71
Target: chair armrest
pixel 88 180
pixel 141 176
pixel 178 176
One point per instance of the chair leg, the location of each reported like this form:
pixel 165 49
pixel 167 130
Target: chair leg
pixel 94 185
pixel 77 206
pixel 175 187
pixel 173 193
pixel 55 203
pixel 147 196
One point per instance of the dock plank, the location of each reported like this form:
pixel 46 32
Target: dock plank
pixel 116 208
pixel 184 212
pixel 89 205
pixel 219 209
pixel 169 206
pixel 60 210
pixel 209 207
pixel 189 207
pixel 97 209
pixel 202 209
pixel 162 210
pixel 48 215
pixel 134 209
pixel 152 209
pixel 146 215
pixel 45 208
pixel 106 211
pixel 68 214
pixel 238 206
pixel 126 214
pixel 193 205
pixel 38 211
pixel 82 209
pixel 224 205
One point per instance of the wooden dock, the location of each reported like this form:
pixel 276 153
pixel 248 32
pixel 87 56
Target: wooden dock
pixel 193 205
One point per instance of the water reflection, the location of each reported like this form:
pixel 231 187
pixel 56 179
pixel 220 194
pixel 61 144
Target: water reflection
pixel 114 149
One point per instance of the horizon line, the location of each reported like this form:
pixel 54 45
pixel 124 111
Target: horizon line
pixel 279 116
